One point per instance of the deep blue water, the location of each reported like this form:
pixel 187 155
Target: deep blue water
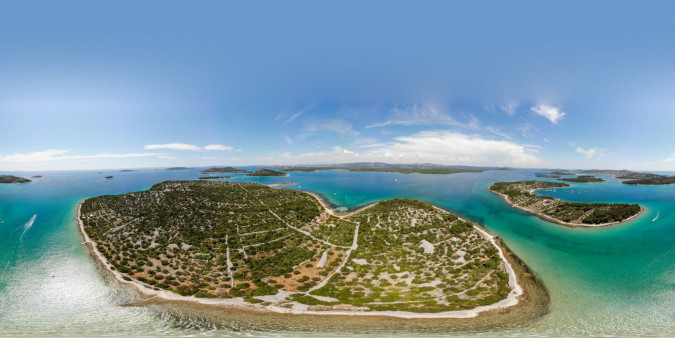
pixel 617 280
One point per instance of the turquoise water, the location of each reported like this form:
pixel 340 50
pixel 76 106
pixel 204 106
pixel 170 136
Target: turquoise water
pixel 616 280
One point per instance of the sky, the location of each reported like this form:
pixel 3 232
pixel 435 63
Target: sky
pixel 532 84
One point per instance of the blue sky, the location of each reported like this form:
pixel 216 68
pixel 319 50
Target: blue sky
pixel 91 85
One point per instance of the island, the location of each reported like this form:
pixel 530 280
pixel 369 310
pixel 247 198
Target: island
pixel 520 195
pixel 247 244
pixel 126 170
pixel 177 168
pixel 36 176
pixel 109 177
pixel 582 179
pixel 228 170
pixel 636 178
pixel 424 168
pixel 267 172
pixel 8 179
pixel 213 177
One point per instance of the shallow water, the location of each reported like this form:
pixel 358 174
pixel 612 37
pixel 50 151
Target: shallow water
pixel 617 280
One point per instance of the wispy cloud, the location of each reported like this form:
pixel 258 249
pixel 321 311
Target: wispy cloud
pixel 552 113
pixel 496 131
pixel 509 108
pixel 288 140
pixel 173 146
pixel 423 115
pixel 191 147
pixel 333 125
pixel 62 155
pixel 589 153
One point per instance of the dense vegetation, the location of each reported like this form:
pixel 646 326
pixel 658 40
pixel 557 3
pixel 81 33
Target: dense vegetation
pixel 226 239
pixel 13 179
pixel 267 172
pixel 520 194
pixel 582 179
pixel 229 170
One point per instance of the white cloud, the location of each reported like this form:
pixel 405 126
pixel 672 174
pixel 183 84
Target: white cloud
pixel 589 153
pixel 60 155
pixel 167 157
pixel 552 113
pixel 173 146
pixel 509 108
pixel 441 147
pixel 423 115
pixel 218 147
pixel 669 159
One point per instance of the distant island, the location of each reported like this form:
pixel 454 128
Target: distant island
pixel 177 168
pixel 267 172
pixel 108 177
pixel 424 168
pixel 193 240
pixel 213 177
pixel 636 178
pixel 554 174
pixel 229 170
pixel 36 176
pixel 12 179
pixel 126 170
pixel 520 195
pixel 582 179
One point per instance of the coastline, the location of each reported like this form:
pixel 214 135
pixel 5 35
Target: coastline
pixel 512 301
pixel 567 224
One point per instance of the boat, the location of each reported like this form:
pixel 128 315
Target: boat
pixel 657 216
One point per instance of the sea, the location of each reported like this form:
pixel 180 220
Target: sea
pixel 609 281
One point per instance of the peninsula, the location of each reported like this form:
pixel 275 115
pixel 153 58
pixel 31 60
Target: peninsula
pixel 574 214
pixel 13 179
pixel 228 243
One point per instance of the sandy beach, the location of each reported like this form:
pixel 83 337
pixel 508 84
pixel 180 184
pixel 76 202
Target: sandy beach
pixel 517 293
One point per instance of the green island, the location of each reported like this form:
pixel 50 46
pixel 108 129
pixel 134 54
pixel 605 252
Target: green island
pixel 220 170
pixel 582 179
pixel 390 168
pixel 636 178
pixel 267 172
pixel 520 195
pixel 178 168
pixel 13 179
pixel 248 243
pixel 213 177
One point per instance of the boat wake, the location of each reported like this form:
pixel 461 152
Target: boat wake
pixel 657 216
pixel 28 225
